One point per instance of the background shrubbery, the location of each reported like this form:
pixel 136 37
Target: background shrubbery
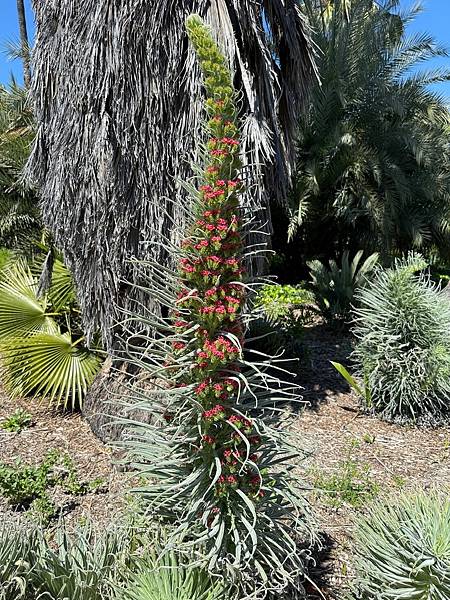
pixel 402 348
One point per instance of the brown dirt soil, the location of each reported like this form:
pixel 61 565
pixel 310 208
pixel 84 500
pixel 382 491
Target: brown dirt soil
pixel 331 429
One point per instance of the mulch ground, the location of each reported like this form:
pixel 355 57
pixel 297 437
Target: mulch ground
pixel 331 429
pixel 69 434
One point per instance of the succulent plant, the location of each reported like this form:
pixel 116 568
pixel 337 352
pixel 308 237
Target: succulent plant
pixel 402 353
pixel 403 549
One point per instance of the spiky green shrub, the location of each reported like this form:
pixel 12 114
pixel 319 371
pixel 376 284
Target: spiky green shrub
pixel 172 577
pixel 16 547
pixel 41 342
pixel 403 345
pixel 402 549
pixel 335 285
pixel 212 461
pixel 80 566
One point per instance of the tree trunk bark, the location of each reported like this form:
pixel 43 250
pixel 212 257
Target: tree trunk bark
pixel 24 42
pixel 103 406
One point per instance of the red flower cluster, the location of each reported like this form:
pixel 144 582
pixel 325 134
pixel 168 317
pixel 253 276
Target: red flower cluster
pixel 211 299
pixel 240 422
pixel 216 413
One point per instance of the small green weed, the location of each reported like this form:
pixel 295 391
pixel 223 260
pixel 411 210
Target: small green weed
pixel 18 421
pixel 399 481
pixel 27 487
pixel 351 484
pixel 22 484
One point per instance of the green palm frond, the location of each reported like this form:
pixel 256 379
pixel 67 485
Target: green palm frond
pixel 19 212
pixel 62 290
pixel 21 313
pixel 373 157
pixel 49 365
pixel 38 356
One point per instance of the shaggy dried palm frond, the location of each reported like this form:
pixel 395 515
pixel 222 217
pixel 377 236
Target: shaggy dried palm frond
pixel 117 98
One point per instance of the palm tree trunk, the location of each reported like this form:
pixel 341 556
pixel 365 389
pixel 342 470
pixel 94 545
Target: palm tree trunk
pixel 24 42
pixel 118 101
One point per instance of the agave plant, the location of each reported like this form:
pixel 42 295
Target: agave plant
pixel 41 343
pixel 402 549
pixel 335 286
pixel 213 460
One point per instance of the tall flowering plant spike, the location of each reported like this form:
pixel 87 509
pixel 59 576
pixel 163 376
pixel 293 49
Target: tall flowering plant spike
pixel 214 456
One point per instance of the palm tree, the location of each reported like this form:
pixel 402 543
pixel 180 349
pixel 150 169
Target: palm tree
pixel 19 214
pixel 117 98
pixel 24 43
pixel 373 167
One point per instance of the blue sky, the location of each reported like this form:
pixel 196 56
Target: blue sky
pixel 435 20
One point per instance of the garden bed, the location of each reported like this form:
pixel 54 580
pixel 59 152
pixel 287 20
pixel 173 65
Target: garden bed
pixel 354 457
pixel 70 435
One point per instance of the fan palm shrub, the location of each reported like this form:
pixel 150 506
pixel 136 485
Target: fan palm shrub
pixel 335 286
pixel 402 549
pixel 41 343
pixel 372 168
pixel 213 463
pixel 402 350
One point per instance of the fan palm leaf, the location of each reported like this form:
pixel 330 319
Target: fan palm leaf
pixel 21 313
pixel 49 365
pixel 38 357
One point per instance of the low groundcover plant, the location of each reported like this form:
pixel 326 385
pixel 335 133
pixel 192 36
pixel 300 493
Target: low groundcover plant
pixel 216 462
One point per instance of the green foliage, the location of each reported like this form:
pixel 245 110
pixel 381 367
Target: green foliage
pixel 287 304
pixel 403 347
pixel 335 286
pixel 5 257
pixel 41 341
pixel 80 566
pixel 15 561
pixel 402 548
pixel 215 464
pixel 21 484
pixel 173 578
pixel 373 161
pixel 19 213
pixel 284 310
pixel 27 487
pixel 16 422
pixel 361 390
pixel 350 484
